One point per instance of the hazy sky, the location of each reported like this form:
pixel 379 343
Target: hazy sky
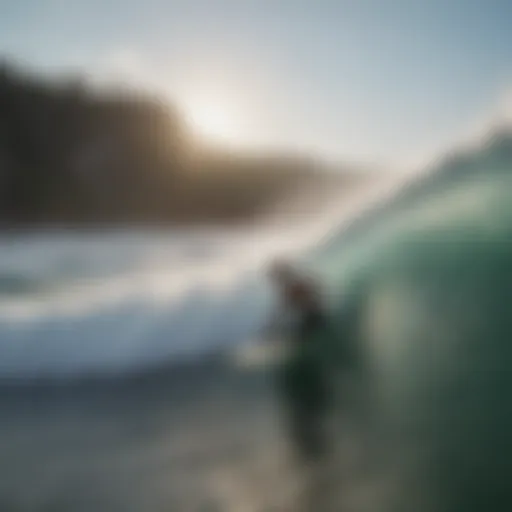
pixel 373 79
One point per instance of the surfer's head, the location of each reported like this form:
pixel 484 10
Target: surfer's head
pixel 282 273
pixel 296 289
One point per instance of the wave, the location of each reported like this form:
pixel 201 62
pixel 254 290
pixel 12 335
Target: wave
pixel 76 303
pixel 460 180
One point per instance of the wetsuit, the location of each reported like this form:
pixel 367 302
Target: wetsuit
pixel 303 381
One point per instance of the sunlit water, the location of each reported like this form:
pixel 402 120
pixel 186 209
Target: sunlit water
pixel 427 288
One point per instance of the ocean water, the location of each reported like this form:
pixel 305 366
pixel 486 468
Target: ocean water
pixel 73 304
pixel 114 397
pixel 112 392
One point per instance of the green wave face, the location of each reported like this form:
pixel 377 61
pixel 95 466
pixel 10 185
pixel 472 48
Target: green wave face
pixel 430 292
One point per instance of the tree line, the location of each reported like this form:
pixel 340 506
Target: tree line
pixel 72 153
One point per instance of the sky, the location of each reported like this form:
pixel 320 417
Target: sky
pixel 371 80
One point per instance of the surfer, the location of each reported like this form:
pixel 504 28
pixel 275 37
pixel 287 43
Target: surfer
pixel 303 376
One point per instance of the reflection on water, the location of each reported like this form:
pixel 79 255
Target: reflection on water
pixel 202 437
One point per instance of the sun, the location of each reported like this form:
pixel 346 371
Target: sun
pixel 213 121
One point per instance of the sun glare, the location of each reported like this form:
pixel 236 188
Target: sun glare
pixel 214 122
